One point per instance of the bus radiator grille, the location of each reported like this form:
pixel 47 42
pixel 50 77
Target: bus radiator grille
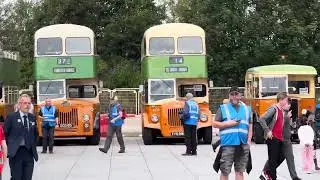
pixel 68 119
pixel 173 117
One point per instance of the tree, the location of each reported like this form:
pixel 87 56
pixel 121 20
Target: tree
pixel 118 25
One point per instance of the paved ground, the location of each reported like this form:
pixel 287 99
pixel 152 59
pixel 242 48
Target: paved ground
pixel 164 161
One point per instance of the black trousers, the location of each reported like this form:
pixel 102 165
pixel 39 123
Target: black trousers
pixel 288 155
pixel 21 165
pixel 47 135
pixel 111 131
pixel 190 134
pixel 275 156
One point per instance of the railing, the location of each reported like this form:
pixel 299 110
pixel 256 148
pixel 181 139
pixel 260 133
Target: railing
pixel 9 55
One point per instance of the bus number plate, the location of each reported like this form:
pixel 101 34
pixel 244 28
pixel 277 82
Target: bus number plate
pixel 66 125
pixel 64 70
pixel 177 133
pixel 64 61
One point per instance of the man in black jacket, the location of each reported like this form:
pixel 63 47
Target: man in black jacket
pixel 21 134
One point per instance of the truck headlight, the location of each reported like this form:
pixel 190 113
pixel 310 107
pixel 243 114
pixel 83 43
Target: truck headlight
pixel 86 117
pixel 155 118
pixel 203 117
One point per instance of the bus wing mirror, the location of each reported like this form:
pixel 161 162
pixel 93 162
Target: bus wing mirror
pixel 318 79
pixel 1 85
pixel 100 84
pixel 210 84
pixel 255 84
pixel 140 88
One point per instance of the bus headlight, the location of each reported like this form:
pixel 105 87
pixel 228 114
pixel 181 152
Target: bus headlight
pixel 154 118
pixel 86 117
pixel 203 117
pixel 304 111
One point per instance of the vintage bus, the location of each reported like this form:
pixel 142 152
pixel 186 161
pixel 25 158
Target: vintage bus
pixel 9 80
pixel 65 72
pixel 264 82
pixel 173 63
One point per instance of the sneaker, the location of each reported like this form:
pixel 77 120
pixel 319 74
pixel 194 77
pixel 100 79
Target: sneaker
pixel 265 176
pixel 103 150
pixel 121 151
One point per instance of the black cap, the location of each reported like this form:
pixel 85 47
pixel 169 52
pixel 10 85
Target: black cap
pixel 234 89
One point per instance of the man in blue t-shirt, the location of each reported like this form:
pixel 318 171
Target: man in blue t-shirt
pixel 115 126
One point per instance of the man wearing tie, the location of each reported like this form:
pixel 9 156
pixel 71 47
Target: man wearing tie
pixel 21 134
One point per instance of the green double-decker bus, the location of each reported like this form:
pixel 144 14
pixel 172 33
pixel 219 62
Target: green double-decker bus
pixel 173 64
pixel 65 72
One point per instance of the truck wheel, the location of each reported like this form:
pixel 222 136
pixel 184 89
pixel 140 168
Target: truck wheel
pixel 95 139
pixel 147 136
pixel 207 135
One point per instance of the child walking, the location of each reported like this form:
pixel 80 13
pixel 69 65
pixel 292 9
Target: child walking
pixel 306 136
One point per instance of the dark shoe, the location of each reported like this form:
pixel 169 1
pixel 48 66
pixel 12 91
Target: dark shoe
pixel 50 152
pixel 103 150
pixel 121 151
pixel 265 176
pixel 194 153
pixel 187 154
pixel 214 147
pixel 43 152
pixel 296 178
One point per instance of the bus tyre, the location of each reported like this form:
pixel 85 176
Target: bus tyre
pixel 258 134
pixel 95 139
pixel 39 141
pixel 147 136
pixel 207 135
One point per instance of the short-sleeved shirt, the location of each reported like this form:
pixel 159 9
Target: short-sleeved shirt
pixel 56 114
pixel 218 116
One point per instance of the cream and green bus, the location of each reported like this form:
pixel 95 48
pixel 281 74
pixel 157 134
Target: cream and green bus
pixel 173 63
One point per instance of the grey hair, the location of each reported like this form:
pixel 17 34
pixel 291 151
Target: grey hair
pixel 23 96
pixel 189 95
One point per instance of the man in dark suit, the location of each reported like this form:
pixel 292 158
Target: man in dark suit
pixel 21 134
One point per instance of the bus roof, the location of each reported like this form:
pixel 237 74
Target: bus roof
pixel 63 30
pixel 283 69
pixel 174 29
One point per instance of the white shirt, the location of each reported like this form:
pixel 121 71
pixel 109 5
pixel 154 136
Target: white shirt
pixel 306 135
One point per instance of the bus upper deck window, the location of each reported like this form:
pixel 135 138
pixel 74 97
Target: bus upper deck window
pixel 161 45
pixel 78 45
pixel 190 45
pixel 49 46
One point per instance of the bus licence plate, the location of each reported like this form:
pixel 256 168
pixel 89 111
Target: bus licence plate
pixel 177 133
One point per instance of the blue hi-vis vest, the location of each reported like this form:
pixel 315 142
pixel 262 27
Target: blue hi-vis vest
pixel 48 116
pixel 238 134
pixel 193 113
pixel 114 113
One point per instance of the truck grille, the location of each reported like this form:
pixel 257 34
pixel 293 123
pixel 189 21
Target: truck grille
pixel 68 118
pixel 173 117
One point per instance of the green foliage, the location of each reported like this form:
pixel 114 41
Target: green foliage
pixel 118 25
pixel 247 33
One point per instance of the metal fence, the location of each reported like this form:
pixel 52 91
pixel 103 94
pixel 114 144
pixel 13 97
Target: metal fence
pixel 130 98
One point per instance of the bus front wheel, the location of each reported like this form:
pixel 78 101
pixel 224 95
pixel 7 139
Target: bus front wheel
pixel 207 135
pixel 147 136
pixel 95 138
